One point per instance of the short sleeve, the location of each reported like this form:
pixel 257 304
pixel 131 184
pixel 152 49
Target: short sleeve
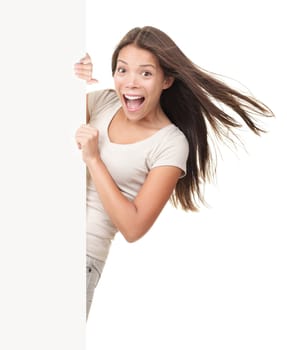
pixel 98 100
pixel 173 150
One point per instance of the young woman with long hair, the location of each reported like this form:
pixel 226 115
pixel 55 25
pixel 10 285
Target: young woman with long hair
pixel 151 139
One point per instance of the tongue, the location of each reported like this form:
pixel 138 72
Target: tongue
pixel 134 104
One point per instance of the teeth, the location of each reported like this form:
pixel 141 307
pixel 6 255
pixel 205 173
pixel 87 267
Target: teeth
pixel 132 97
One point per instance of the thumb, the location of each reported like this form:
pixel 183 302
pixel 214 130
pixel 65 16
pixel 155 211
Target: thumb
pixel 92 81
pixel 86 59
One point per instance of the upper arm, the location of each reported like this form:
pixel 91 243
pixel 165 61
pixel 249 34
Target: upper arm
pixel 154 194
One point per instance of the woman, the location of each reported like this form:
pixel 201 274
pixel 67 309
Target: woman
pixel 148 140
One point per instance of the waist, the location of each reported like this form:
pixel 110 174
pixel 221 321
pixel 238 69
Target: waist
pixel 97 247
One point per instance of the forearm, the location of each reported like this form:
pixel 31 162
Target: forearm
pixel 123 213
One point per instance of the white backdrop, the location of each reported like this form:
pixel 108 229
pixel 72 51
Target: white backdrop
pixel 215 279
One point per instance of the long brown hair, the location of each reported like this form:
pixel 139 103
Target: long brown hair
pixel 192 103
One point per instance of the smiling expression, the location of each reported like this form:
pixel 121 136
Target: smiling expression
pixel 139 81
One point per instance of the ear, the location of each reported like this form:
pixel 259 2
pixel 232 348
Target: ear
pixel 168 81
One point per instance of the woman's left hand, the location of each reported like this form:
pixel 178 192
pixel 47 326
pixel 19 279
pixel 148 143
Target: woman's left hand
pixel 87 138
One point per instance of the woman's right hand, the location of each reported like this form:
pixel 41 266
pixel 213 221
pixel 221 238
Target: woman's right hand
pixel 87 140
pixel 84 69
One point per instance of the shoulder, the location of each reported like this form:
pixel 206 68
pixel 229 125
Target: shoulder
pixel 172 148
pixel 173 138
pixel 96 100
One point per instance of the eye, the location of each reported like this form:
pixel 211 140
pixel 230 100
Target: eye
pixel 121 70
pixel 147 74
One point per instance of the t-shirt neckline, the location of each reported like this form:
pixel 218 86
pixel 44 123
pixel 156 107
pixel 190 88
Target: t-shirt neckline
pixel 147 139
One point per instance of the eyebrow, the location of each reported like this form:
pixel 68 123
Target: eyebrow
pixel 141 65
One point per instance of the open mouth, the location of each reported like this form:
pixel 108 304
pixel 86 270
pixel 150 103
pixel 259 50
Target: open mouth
pixel 133 102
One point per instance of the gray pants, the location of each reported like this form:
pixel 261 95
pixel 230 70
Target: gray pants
pixel 93 274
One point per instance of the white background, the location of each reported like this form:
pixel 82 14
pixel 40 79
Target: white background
pixel 215 279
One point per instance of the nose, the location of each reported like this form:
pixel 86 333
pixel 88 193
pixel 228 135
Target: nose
pixel 132 80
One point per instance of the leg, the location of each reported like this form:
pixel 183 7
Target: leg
pixel 93 274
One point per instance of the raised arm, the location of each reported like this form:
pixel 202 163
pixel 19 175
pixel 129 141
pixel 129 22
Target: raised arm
pixel 132 218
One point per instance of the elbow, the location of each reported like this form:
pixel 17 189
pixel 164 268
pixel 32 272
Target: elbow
pixel 133 235
pixel 134 228
pixel 131 239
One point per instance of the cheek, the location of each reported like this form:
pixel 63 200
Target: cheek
pixel 115 80
pixel 156 89
pixel 117 84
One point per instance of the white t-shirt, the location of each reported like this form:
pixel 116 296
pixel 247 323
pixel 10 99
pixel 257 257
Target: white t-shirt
pixel 128 164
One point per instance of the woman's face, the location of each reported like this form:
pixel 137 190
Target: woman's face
pixel 139 81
